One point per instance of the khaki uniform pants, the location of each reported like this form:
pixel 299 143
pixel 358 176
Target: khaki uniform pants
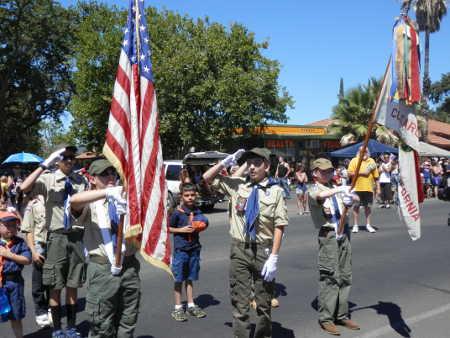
pixel 247 260
pixel 65 263
pixel 335 276
pixel 112 302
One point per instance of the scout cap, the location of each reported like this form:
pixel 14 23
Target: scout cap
pixel 99 166
pixel 256 152
pixel 322 164
pixel 6 216
pixel 68 148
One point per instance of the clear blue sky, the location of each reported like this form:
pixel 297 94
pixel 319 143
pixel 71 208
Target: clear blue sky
pixel 316 42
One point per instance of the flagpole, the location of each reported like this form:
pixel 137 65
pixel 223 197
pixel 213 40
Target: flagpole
pixel 118 253
pixel 363 148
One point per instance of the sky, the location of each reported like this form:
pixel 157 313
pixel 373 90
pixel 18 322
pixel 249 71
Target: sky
pixel 316 42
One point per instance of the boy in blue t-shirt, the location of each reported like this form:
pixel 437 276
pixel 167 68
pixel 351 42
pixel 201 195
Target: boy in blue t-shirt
pixel 14 254
pixel 185 223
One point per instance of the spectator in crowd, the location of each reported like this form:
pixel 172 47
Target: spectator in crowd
pixel 282 174
pixel 385 180
pixel 301 188
pixel 364 187
pixel 14 254
pixel 436 177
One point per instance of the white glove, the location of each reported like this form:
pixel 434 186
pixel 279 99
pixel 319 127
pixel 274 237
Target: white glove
pixel 115 270
pixel 53 158
pixel 121 206
pixel 347 200
pixel 114 192
pixel 232 159
pixel 270 268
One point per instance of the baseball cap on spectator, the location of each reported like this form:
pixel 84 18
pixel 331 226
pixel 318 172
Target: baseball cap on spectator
pixel 7 216
pixel 322 164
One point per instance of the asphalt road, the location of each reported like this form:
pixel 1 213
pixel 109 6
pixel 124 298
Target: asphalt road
pixel 400 288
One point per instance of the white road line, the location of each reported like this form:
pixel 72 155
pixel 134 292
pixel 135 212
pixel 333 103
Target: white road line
pixel 409 321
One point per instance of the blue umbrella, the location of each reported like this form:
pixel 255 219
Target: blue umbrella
pixel 375 148
pixel 23 158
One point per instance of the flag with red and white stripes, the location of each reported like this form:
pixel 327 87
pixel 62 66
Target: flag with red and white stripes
pixel 133 145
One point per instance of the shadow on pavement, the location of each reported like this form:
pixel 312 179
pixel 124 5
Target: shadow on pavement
pixel 206 300
pixel 280 290
pixel 278 330
pixel 394 314
pixel 281 332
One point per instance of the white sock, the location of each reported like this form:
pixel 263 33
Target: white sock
pixel 191 304
pixel 178 307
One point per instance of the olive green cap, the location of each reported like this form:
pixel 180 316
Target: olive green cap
pixel 99 166
pixel 256 152
pixel 322 164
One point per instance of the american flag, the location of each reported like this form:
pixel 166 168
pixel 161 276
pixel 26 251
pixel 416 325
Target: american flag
pixel 133 144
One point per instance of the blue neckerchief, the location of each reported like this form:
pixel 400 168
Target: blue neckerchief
pixel 68 191
pixel 252 208
pixel 114 218
pixel 336 216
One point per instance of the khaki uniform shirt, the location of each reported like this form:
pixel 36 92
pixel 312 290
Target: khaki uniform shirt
pixel 51 186
pixel 321 208
pixel 93 239
pixel 34 219
pixel 272 207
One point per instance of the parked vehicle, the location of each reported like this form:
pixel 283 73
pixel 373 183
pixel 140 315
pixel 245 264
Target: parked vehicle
pixel 196 164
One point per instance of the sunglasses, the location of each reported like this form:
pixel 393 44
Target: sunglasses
pixel 68 157
pixel 108 172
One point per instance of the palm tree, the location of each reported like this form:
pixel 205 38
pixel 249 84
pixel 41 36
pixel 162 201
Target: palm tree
pixel 352 114
pixel 429 14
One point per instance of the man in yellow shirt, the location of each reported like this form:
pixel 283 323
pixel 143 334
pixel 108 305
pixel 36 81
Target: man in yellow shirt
pixel 364 187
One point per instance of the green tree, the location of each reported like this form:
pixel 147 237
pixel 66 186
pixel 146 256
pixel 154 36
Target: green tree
pixel 99 33
pixel 35 79
pixel 440 96
pixel 429 14
pixel 209 79
pixel 352 114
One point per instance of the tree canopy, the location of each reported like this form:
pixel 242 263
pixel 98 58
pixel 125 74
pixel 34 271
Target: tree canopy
pixel 35 69
pixel 209 79
pixel 440 96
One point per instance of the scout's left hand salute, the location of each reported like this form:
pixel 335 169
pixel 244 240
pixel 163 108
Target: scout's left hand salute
pixel 117 289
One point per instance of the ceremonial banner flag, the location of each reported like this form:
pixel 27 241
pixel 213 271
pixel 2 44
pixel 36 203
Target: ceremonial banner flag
pixel 396 115
pixel 408 192
pixel 133 144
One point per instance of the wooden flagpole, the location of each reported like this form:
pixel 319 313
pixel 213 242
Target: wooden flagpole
pixel 363 148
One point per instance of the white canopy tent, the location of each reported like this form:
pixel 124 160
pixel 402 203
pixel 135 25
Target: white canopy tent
pixel 426 149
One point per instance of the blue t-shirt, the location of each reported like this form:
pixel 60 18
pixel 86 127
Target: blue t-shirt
pixel 19 247
pixel 179 219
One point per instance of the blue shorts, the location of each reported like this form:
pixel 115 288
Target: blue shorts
pixel 16 297
pixel 186 265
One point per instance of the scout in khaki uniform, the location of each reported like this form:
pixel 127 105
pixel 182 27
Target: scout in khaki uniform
pixel 257 220
pixel 113 294
pixel 64 265
pixel 335 254
pixel 33 225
